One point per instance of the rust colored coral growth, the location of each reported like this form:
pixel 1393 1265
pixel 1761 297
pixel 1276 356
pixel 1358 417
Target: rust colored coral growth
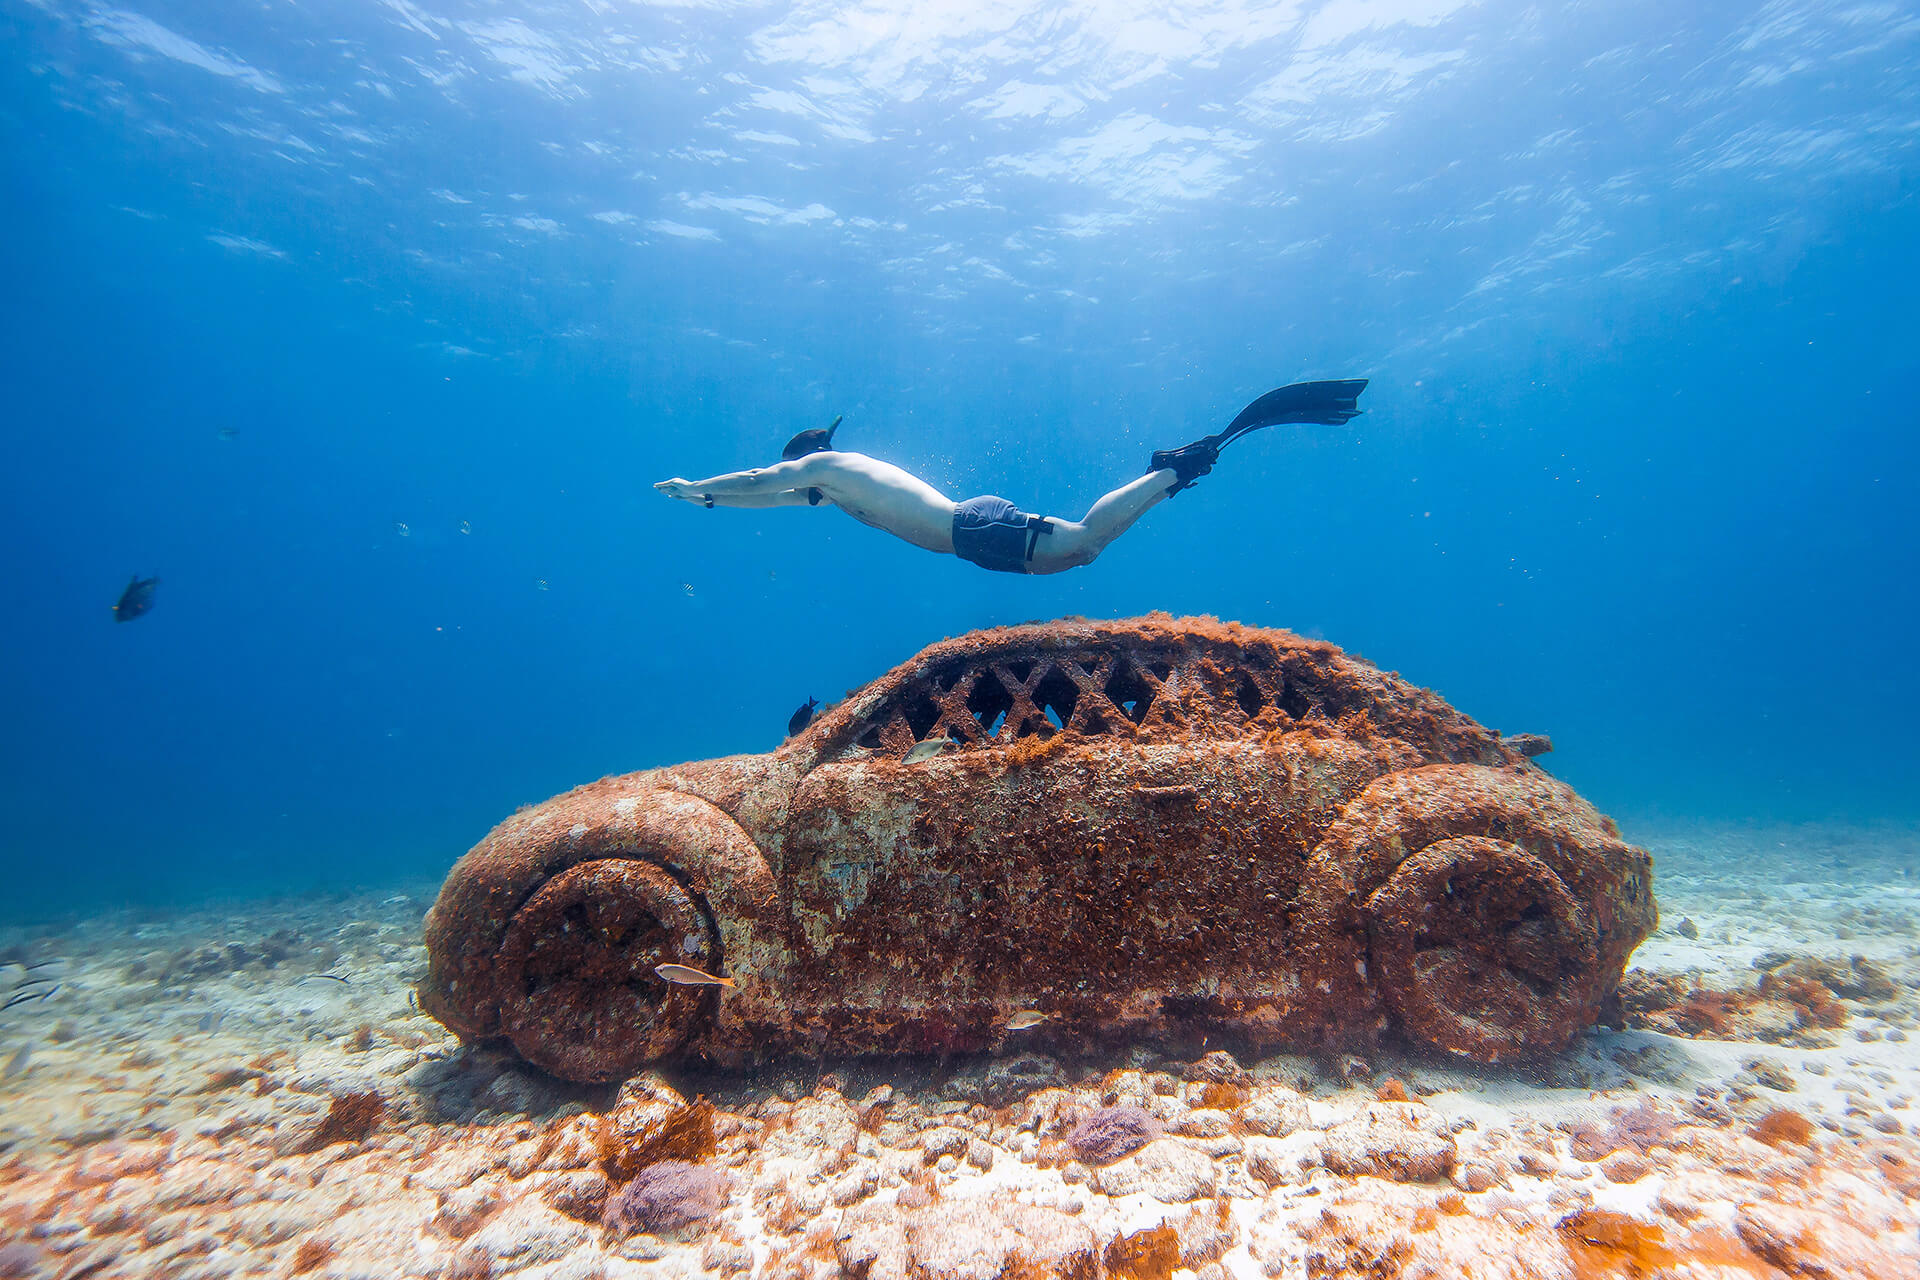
pixel 1392 1091
pixel 1710 1012
pixel 312 1252
pixel 1801 990
pixel 1149 1254
pixel 1781 1125
pixel 1812 1000
pixel 1601 1242
pixel 350 1118
pixel 685 1133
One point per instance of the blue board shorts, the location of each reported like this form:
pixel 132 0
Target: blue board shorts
pixel 994 534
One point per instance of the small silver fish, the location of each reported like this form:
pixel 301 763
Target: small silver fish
pixel 1025 1018
pixel 465 527
pixel 687 976
pixel 16 1064
pixel 927 749
pixel 400 527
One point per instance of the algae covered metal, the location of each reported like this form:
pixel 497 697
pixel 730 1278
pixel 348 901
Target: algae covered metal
pixel 1156 827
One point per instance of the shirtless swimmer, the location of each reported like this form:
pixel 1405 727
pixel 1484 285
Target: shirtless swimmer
pixel 988 531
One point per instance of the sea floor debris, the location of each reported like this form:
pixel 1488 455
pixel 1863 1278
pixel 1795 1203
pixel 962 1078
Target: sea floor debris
pixel 332 1130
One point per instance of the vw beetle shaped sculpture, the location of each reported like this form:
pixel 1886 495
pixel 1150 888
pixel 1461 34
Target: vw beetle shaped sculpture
pixel 1158 827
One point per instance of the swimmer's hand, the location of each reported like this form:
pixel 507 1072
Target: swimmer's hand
pixel 683 490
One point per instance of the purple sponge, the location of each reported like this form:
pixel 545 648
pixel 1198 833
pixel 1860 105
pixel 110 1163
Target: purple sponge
pixel 664 1196
pixel 1106 1135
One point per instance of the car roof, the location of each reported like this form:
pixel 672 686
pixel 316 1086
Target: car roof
pixel 1154 678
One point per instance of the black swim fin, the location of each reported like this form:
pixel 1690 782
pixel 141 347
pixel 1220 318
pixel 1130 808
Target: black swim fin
pixel 1326 403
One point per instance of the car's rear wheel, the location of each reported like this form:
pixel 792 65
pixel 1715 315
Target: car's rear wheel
pixel 1488 912
pixel 1481 949
pixel 575 972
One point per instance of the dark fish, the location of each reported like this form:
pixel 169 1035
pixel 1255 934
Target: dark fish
pixel 1528 744
pixel 136 599
pixel 813 440
pixel 28 996
pixel 17 1063
pixel 228 433
pixel 802 718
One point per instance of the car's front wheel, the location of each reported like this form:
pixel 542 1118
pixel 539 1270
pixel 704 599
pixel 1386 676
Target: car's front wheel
pixel 579 994
pixel 549 932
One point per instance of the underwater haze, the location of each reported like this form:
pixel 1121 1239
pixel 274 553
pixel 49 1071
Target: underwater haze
pixel 367 328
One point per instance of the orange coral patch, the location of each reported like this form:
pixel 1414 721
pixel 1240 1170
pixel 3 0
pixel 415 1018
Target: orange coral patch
pixel 1602 1243
pixel 1783 1124
pixel 1151 1254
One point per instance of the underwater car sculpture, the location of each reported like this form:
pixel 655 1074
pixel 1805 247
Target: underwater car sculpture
pixel 1156 828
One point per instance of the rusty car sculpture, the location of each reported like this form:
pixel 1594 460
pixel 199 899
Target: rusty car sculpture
pixel 1157 827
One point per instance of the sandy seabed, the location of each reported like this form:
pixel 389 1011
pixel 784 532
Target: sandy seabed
pixel 198 1101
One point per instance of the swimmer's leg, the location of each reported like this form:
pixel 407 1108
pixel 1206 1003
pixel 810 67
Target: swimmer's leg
pixel 1076 542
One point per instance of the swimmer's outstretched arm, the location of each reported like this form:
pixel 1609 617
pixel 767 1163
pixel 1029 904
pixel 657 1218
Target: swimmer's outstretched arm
pixel 778 478
pixel 694 491
pixel 785 498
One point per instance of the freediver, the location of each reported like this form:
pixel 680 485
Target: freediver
pixel 990 531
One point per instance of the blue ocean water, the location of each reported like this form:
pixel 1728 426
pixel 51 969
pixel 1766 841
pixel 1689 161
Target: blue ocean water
pixel 367 329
